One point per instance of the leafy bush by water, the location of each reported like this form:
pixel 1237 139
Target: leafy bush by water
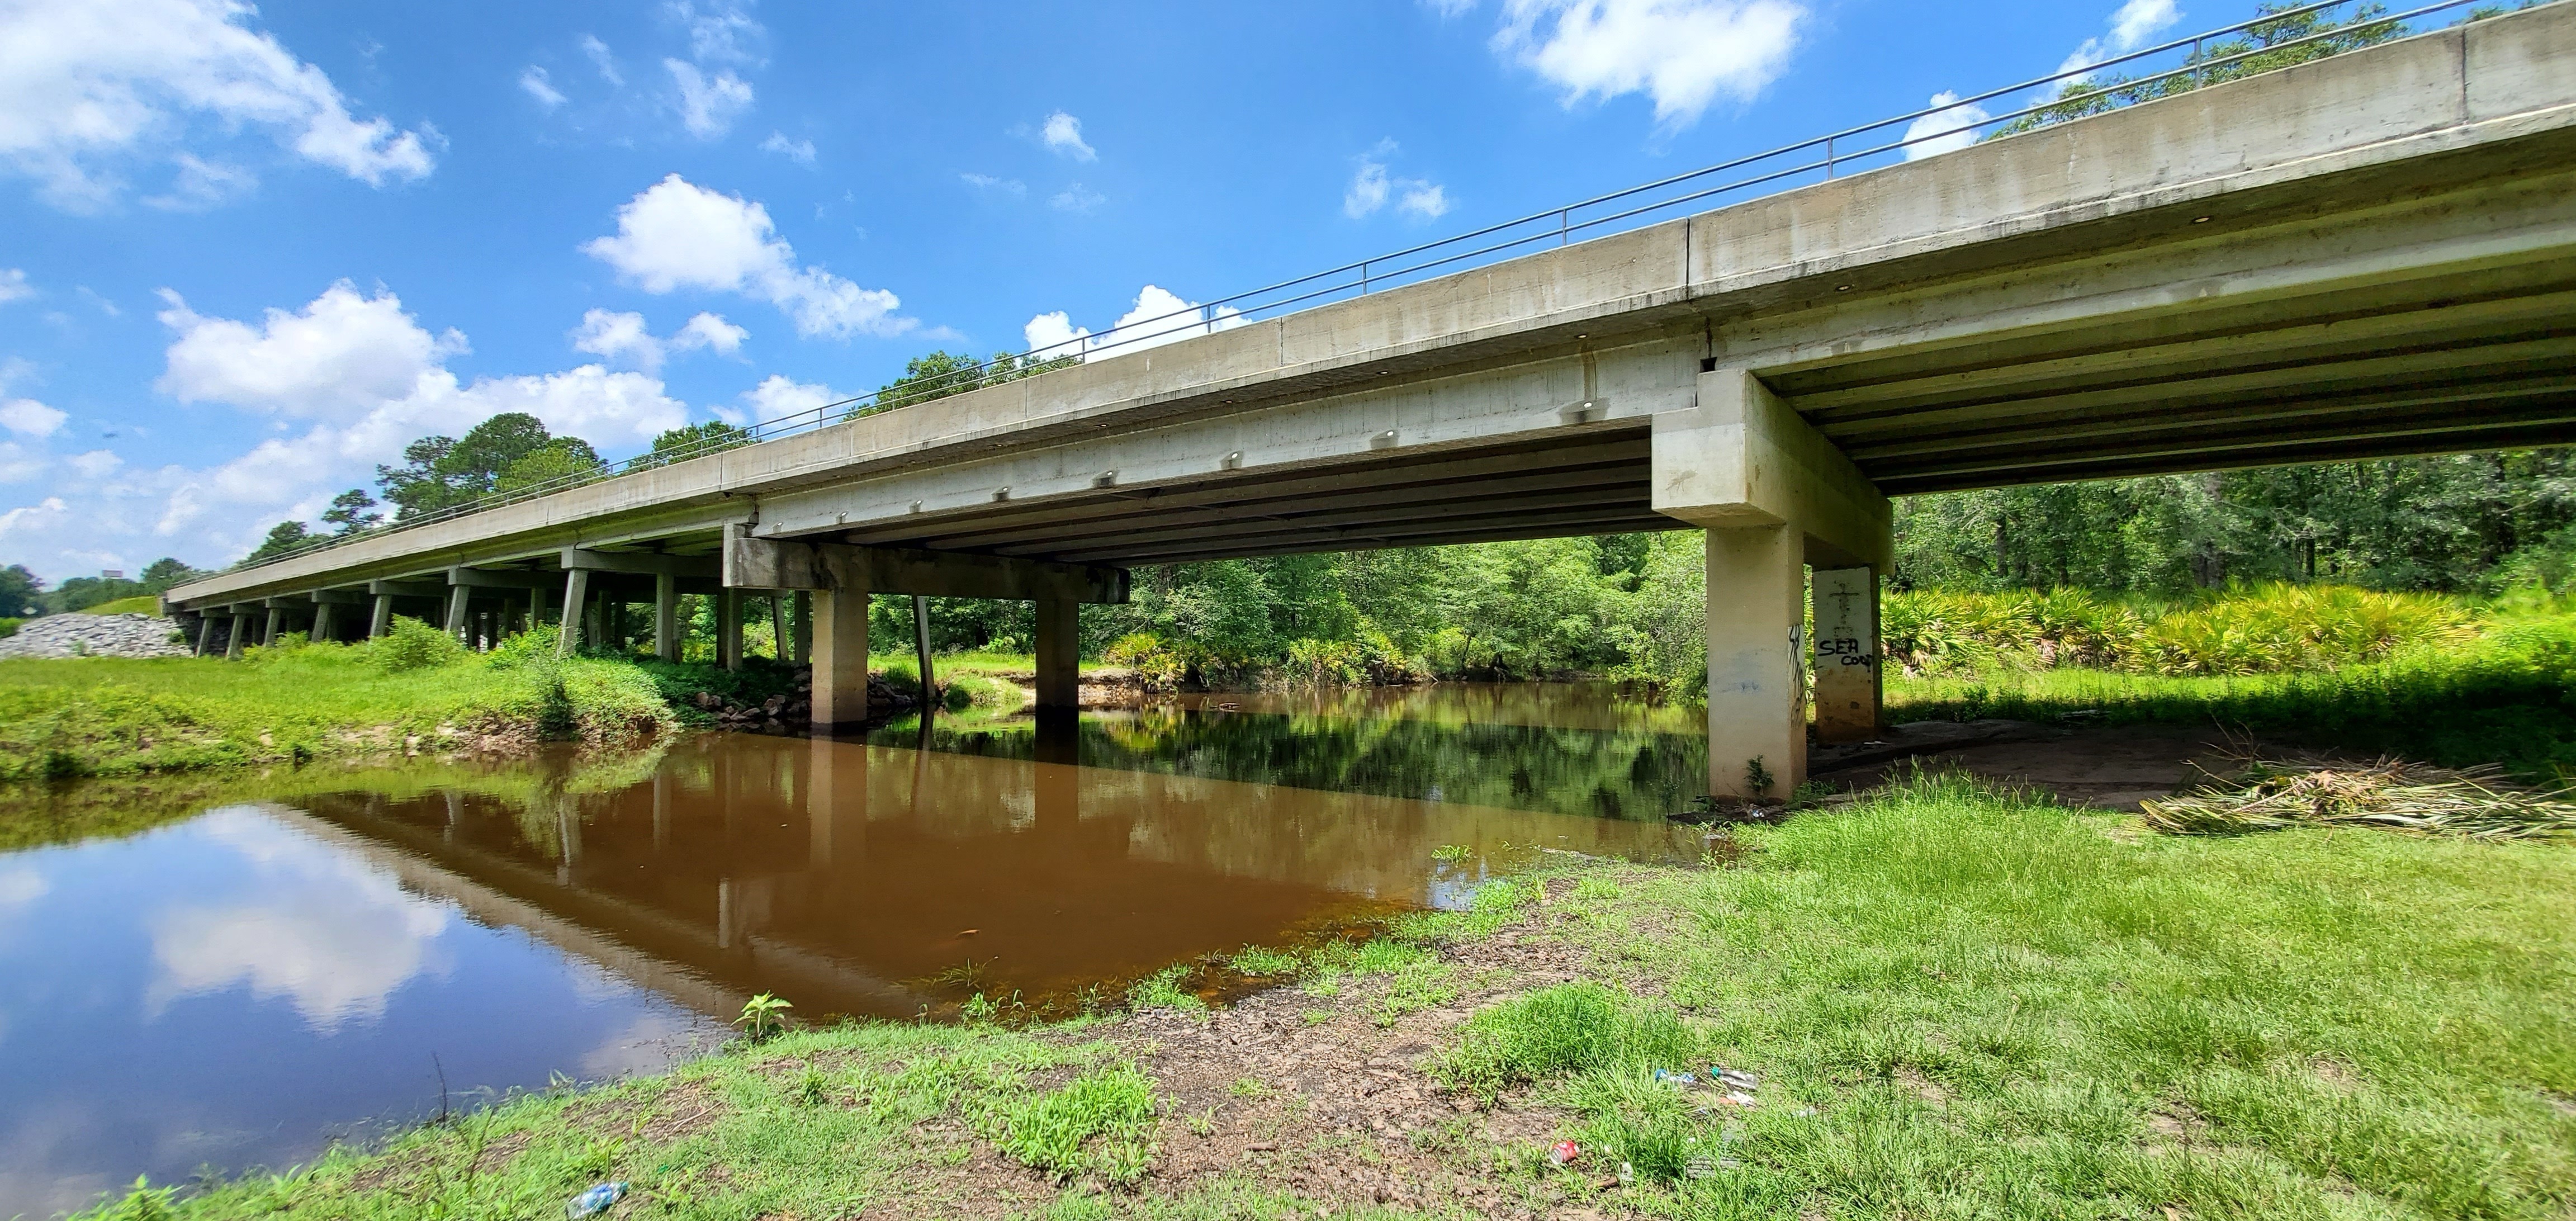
pixel 2246 630
pixel 414 645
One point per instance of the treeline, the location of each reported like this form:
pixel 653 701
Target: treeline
pixel 23 593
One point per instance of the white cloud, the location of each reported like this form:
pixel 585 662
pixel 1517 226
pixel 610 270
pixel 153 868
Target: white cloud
pixel 19 464
pixel 13 285
pixel 2133 25
pixel 88 88
pixel 982 182
pixel 1160 316
pixel 1682 53
pixel 19 521
pixel 95 464
pixel 538 85
pixel 370 378
pixel 1063 133
pixel 601 59
pixel 1372 185
pixel 709 331
pixel 799 151
pixel 29 418
pixel 675 234
pixel 339 358
pixel 1076 198
pixel 708 107
pixel 618 337
pixel 778 396
pixel 1943 131
pixel 720 31
pixel 202 184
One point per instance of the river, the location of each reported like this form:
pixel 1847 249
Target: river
pixel 222 974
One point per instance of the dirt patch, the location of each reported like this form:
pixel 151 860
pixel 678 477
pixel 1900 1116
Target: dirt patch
pixel 2109 767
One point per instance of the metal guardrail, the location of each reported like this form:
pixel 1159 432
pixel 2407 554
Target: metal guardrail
pixel 1814 159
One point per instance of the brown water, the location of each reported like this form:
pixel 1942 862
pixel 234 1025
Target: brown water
pixel 225 978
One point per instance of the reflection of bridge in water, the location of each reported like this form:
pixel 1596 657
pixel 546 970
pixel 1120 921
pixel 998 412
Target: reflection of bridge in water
pixel 874 880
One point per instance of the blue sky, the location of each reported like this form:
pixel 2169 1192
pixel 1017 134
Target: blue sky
pixel 246 254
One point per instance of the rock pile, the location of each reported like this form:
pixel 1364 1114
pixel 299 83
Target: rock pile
pixel 77 635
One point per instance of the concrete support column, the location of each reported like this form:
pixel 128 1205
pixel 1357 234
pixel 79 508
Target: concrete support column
pixel 323 613
pixel 276 624
pixel 781 645
pixel 1059 653
pixel 536 606
pixel 458 601
pixel 382 620
pixel 840 618
pixel 921 650
pixel 576 600
pixel 1775 495
pixel 729 629
pixel 1846 658
pixel 1757 689
pixel 233 639
pixel 205 634
pixel 666 616
pixel 800 625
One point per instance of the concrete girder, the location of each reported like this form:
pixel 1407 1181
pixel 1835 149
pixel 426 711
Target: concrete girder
pixel 645 563
pixel 1394 516
pixel 758 563
pixel 1610 519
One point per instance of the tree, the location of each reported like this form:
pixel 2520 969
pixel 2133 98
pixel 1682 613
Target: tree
pixel 19 591
pixel 943 373
pixel 351 511
pixel 443 472
pixel 2097 95
pixel 284 537
pixel 690 441
pixel 564 460
pixel 163 573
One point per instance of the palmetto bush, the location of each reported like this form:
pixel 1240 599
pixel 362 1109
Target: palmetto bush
pixel 2259 629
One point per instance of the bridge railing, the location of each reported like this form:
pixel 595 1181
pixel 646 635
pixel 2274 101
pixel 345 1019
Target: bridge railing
pixel 2273 40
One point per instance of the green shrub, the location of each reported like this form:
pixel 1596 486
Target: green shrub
pixel 9 626
pixel 2261 629
pixel 414 645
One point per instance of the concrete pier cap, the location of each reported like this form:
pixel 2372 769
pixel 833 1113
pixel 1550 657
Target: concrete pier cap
pixel 1775 497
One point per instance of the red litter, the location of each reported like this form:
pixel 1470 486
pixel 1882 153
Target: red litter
pixel 1564 1153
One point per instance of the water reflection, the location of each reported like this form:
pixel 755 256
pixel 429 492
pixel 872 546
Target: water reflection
pixel 313 949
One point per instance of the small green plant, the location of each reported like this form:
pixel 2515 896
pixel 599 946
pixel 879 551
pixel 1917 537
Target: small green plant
pixel 763 1016
pixel 1203 1123
pixel 1451 854
pixel 978 1009
pixel 1757 778
pixel 142 1202
pixel 1262 962
pixel 1249 1087
pixel 1596 888
pixel 1567 1028
pixel 1163 990
pixel 1101 1122
pixel 812 1087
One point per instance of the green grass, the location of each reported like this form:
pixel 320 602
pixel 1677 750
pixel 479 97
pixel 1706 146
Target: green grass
pixel 2002 1008
pixel 140 604
pixel 1101 1122
pixel 2506 695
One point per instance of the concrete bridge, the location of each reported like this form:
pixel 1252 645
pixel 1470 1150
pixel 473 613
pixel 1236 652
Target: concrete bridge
pixel 2373 254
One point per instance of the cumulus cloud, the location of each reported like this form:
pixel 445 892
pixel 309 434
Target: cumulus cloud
pixel 536 84
pixel 13 285
pixel 708 105
pixel 88 90
pixel 778 396
pixel 799 151
pixel 1373 185
pixel 366 378
pixel 624 338
pixel 29 418
pixel 721 32
pixel 20 521
pixel 1160 316
pixel 981 182
pixel 1063 133
pixel 709 331
pixel 94 464
pixel 1943 131
pixel 1683 54
pixel 676 234
pixel 2133 25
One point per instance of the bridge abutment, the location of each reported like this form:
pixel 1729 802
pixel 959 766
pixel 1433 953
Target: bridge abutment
pixel 1775 497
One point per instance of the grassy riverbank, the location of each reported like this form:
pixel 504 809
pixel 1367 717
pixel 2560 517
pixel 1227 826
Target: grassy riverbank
pixel 1960 1003
pixel 414 693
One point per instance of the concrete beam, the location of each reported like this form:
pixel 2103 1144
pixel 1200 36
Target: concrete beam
pixel 516 580
pixel 407 589
pixel 645 563
pixel 1742 459
pixel 339 597
pixel 758 563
